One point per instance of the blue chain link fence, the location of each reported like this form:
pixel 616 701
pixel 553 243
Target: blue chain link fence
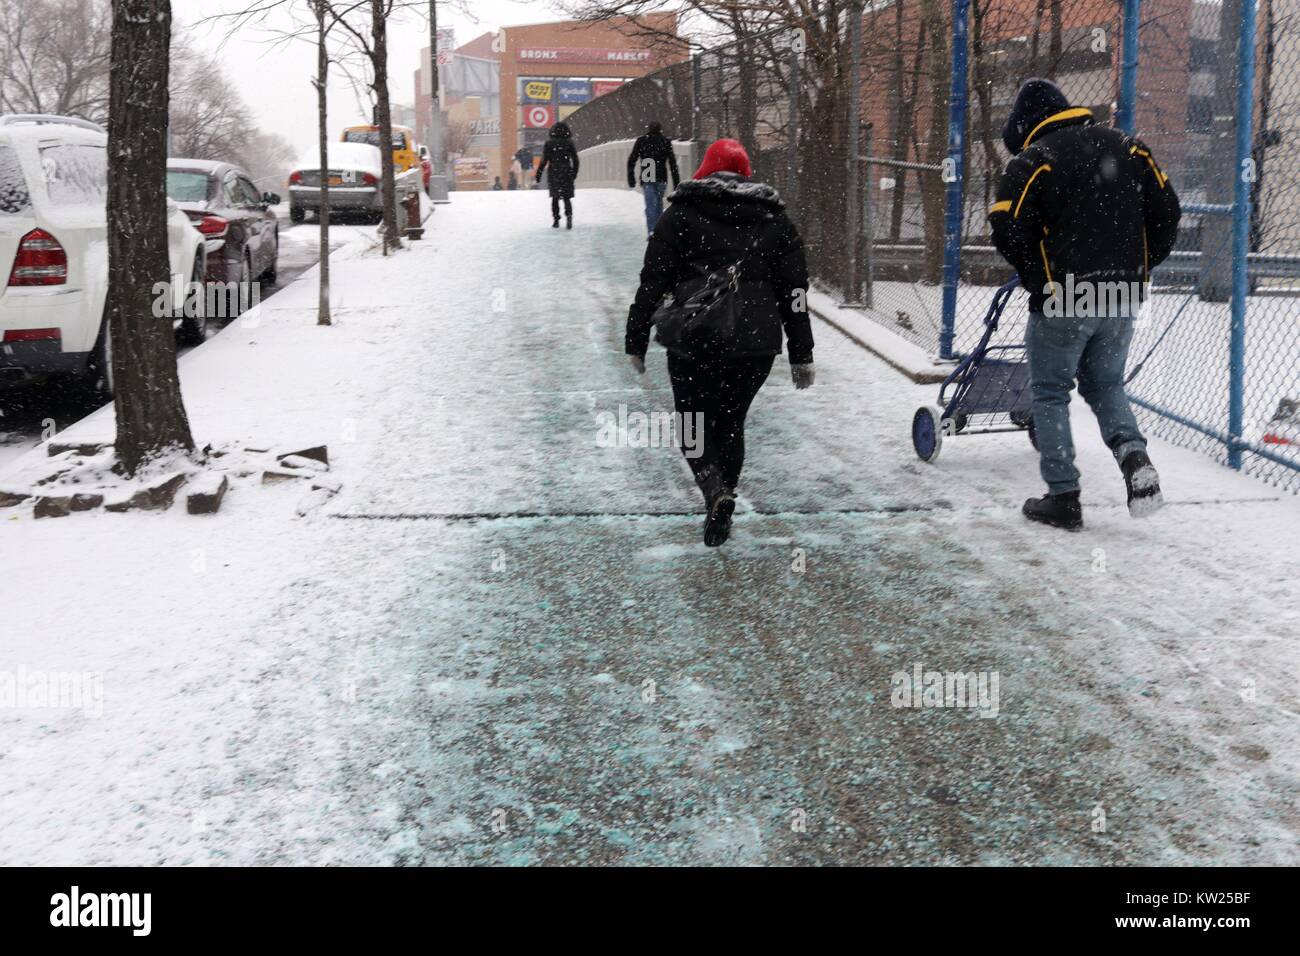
pixel 891 186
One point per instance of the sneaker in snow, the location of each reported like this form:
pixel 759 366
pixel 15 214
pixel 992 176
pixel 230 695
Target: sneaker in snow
pixel 1143 484
pixel 1059 511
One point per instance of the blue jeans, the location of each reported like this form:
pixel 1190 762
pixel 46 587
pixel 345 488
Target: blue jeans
pixel 654 203
pixel 1095 350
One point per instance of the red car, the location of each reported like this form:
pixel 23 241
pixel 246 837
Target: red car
pixel 240 228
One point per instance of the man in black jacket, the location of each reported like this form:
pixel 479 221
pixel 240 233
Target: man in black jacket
pixel 1084 214
pixel 649 165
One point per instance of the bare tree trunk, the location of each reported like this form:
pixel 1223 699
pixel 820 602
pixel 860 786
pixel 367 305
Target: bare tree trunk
pixel 933 188
pixel 322 75
pixel 151 416
pixel 1034 32
pixel 384 120
pixel 1055 44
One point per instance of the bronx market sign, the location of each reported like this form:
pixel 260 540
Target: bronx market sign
pixel 569 54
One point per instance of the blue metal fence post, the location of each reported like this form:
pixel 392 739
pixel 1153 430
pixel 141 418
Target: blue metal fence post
pixel 955 174
pixel 1126 107
pixel 1245 175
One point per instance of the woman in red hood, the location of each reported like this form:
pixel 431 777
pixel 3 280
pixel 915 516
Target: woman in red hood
pixel 719 219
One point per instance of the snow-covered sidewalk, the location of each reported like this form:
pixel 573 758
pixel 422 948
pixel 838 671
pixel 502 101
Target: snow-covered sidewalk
pixel 503 642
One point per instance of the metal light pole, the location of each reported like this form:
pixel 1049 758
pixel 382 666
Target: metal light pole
pixel 438 180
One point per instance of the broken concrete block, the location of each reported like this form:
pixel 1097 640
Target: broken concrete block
pixel 319 453
pixel 52 506
pixel 60 506
pixel 155 497
pixel 207 500
pixel 313 500
pixel 274 476
pixel 85 449
pixel 10 498
pixel 306 464
pixel 326 483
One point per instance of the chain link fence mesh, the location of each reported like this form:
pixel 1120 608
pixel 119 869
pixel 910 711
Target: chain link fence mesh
pixel 874 227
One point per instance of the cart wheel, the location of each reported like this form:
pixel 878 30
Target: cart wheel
pixel 927 432
pixel 1033 434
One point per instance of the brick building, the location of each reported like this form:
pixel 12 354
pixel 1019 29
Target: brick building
pixel 544 72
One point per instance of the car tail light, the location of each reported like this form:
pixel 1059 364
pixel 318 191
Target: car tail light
pixel 40 261
pixel 369 179
pixel 295 178
pixel 32 335
pixel 214 227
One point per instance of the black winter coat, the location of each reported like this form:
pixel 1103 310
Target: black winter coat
pixel 559 156
pixel 710 224
pixel 656 147
pixel 1082 199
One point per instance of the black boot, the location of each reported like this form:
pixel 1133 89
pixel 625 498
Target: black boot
pixel 569 222
pixel 1143 484
pixel 721 502
pixel 556 223
pixel 1060 511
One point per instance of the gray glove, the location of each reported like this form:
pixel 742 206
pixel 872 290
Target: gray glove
pixel 638 363
pixel 802 375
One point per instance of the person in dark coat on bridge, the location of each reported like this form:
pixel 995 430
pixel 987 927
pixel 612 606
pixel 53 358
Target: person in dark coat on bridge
pixel 1082 212
pixel 649 165
pixel 717 219
pixel 561 159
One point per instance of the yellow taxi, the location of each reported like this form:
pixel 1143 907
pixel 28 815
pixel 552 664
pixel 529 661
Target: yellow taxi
pixel 405 151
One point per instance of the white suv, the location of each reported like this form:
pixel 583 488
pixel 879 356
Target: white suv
pixel 54 251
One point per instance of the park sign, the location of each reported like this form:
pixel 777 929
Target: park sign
pixel 536 91
pixel 584 55
pixel 572 92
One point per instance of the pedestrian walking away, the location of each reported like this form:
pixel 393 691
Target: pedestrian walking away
pixel 1083 213
pixel 524 156
pixel 715 221
pixel 649 166
pixel 561 159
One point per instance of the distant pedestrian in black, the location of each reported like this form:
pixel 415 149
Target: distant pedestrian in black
pixel 715 220
pixel 649 165
pixel 524 155
pixel 559 156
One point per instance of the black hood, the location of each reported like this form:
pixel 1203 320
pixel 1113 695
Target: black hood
pixel 1037 100
pixel 729 196
pixel 561 130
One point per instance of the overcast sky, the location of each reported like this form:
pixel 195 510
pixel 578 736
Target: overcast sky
pixel 276 79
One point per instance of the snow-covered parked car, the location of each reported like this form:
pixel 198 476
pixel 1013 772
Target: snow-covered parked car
pixel 237 222
pixel 54 248
pixel 353 177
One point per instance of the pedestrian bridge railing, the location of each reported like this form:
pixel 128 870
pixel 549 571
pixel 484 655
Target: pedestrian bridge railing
pixel 605 166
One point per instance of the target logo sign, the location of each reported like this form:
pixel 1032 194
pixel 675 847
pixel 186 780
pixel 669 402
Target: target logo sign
pixel 539 117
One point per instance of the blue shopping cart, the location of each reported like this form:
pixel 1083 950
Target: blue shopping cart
pixel 987 392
